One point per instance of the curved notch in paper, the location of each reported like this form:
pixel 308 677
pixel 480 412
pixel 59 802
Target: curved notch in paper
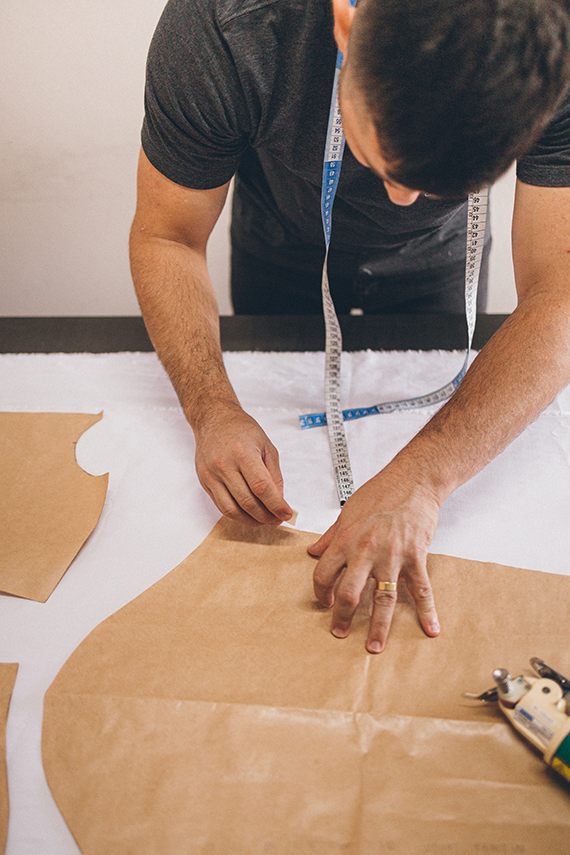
pixel 48 505
pixel 217 714
pixel 7 678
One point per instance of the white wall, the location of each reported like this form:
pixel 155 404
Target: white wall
pixel 71 95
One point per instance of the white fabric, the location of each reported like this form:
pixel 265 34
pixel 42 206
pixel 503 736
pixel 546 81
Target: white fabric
pixel 514 512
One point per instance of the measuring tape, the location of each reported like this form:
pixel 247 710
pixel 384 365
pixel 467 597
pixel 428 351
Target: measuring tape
pixel 333 347
pixel 334 416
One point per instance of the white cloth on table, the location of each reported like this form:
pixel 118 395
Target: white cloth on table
pixel 514 512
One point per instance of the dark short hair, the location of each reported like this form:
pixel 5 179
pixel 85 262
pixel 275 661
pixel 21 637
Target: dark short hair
pixel 458 89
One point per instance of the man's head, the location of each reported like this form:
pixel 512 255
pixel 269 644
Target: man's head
pixel 452 91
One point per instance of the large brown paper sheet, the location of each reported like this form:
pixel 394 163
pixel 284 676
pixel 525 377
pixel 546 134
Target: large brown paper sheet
pixel 48 505
pixel 216 714
pixel 7 679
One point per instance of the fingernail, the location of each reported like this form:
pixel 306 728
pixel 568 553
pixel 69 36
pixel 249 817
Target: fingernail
pixel 375 647
pixel 434 627
pixel 339 633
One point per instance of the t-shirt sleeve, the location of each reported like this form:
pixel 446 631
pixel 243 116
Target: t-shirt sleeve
pixel 547 164
pixel 197 123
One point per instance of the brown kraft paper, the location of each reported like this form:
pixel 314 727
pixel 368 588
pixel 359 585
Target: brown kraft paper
pixel 7 679
pixel 48 505
pixel 216 714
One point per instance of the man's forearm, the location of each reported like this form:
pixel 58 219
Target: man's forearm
pixel 516 375
pixel 180 311
pixel 235 461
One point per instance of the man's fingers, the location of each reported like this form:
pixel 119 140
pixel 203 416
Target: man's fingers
pixel 381 620
pixel 347 597
pixel 226 504
pixel 234 499
pixel 420 588
pixel 248 486
pixel 385 602
pixel 322 544
pixel 325 575
pixel 238 465
pixel 258 493
pixel 242 493
pixel 271 461
pixel 259 489
pixel 383 530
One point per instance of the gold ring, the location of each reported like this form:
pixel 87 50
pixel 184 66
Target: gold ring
pixel 387 586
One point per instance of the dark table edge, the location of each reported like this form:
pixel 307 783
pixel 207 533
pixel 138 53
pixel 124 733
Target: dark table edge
pixel 248 332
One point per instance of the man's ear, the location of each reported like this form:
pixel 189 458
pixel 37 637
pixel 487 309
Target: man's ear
pixel 343 16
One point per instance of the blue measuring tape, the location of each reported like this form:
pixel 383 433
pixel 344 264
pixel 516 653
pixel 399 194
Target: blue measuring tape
pixel 334 416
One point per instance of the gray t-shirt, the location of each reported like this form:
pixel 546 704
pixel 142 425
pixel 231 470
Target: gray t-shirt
pixel 243 87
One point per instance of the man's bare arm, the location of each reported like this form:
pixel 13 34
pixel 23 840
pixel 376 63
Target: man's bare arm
pixel 385 528
pixel 235 461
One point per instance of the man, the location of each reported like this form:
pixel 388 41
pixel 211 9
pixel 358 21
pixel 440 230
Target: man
pixel 437 98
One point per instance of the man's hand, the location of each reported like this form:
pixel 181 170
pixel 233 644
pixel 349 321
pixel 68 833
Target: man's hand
pixel 236 463
pixel 383 531
pixel 239 467
pixel 385 528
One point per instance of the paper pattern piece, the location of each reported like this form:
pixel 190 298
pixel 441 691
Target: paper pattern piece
pixel 7 679
pixel 48 505
pixel 216 714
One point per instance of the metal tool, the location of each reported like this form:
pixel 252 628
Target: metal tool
pixel 539 708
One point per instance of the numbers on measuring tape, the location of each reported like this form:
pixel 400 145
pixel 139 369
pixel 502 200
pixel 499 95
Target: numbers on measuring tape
pixel 333 346
pixel 334 417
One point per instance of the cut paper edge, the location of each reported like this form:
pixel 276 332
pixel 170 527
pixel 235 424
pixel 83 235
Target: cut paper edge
pixel 49 505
